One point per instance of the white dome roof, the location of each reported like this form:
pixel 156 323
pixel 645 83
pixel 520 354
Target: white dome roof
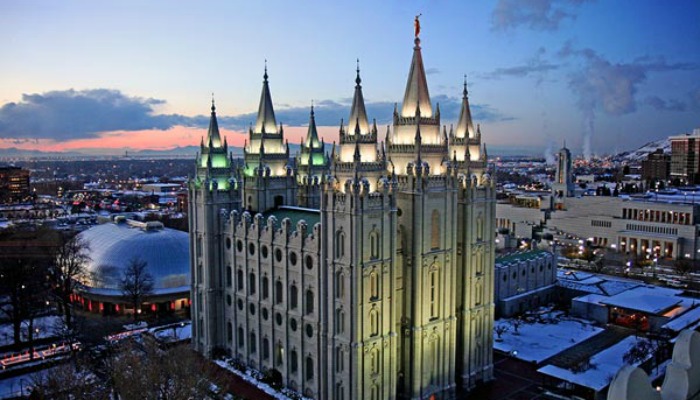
pixel 166 252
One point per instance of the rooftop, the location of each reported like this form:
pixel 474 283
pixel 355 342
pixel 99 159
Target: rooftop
pixel 295 214
pixel 521 256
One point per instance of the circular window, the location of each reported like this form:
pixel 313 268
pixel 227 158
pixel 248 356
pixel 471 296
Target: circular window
pixel 251 249
pixel 293 258
pixel 278 318
pixel 398 212
pixel 239 245
pixel 515 275
pixel 309 330
pixel 293 324
pixel 522 273
pixel 240 304
pixel 228 299
pixel 278 255
pixel 228 243
pixel 252 309
pixel 263 251
pixel 264 313
pixel 309 262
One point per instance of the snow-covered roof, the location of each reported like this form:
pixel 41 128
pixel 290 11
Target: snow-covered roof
pixel 647 299
pixel 683 321
pixel 604 366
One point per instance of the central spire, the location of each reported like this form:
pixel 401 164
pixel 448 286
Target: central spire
pixel 266 114
pixel 416 96
pixel 213 135
pixel 312 134
pixel 358 114
pixel 465 127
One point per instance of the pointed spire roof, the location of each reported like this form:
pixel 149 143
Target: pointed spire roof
pixel 266 114
pixel 416 88
pixel 311 140
pixel 213 136
pixel 465 127
pixel 358 113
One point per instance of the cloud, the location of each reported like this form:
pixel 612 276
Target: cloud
pixel 663 105
pixel 536 66
pixel 71 115
pixel 542 15
pixel 432 71
pixel 695 98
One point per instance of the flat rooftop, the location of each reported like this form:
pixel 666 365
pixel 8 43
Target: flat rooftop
pixel 295 214
pixel 650 300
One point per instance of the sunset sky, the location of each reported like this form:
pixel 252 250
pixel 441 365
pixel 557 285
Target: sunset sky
pixel 603 75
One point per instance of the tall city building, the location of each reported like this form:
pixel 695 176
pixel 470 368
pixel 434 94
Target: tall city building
pixel 14 184
pixel 685 158
pixel 366 273
pixel 563 185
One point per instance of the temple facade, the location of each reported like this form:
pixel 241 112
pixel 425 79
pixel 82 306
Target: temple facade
pixel 364 272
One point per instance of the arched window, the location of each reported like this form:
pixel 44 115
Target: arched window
pixel 374 361
pixel 478 293
pixel 435 230
pixel 374 245
pixel 339 321
pixel 339 244
pixel 373 286
pixel 373 322
pixel 252 344
pixel 251 283
pixel 280 354
pixel 239 279
pixel 374 394
pixel 479 228
pixel 265 287
pixel 339 359
pixel 339 285
pixel 309 368
pixel 266 348
pixel 293 362
pixel 229 332
pixel 433 286
pixel 339 391
pixel 229 276
pixel 279 289
pixel 241 337
pixel 293 294
pixel 309 301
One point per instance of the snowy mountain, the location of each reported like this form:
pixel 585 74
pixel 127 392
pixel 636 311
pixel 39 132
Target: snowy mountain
pixel 636 156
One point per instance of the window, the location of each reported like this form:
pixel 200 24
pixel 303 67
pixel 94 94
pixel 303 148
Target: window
pixel 229 276
pixel 266 348
pixel 263 251
pixel 239 245
pixel 293 293
pixel 252 343
pixel 339 285
pixel 478 293
pixel 339 359
pixel 229 332
pixel 279 289
pixel 339 392
pixel 241 338
pixel 374 245
pixel 339 244
pixel 373 286
pixel 280 354
pixel 339 321
pixel 293 361
pixel 278 255
pixel 435 230
pixel 433 282
pixel 239 279
pixel 479 228
pixel 251 249
pixel 374 361
pixel 265 287
pixel 293 258
pixel 309 301
pixel 373 322
pixel 309 262
pixel 309 330
pixel 309 368
pixel 251 283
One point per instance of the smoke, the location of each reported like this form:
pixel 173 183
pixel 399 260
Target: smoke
pixel 549 155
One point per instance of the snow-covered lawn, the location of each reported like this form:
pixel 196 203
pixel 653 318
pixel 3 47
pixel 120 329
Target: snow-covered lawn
pixel 46 325
pixel 539 341
pixel 174 333
pixel 248 376
pixel 603 367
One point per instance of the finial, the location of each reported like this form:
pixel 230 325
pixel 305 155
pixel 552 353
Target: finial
pixel 358 80
pixel 312 107
pixel 416 25
pixel 213 107
pixel 465 92
pixel 265 75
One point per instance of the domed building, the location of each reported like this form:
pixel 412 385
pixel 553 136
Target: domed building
pixel 113 245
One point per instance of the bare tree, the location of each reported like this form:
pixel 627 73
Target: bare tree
pixel 137 283
pixel 683 266
pixel 69 271
pixel 500 329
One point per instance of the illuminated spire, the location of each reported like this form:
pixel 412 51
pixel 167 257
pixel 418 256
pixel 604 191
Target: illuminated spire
pixel 213 136
pixel 358 113
pixel 465 127
pixel 312 134
pixel 266 114
pixel 416 87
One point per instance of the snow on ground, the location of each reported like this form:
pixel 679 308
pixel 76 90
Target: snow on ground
pixel 174 333
pixel 248 377
pixel 604 366
pixel 47 326
pixel 539 341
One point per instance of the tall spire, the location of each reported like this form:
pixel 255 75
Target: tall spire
pixel 358 114
pixel 465 127
pixel 416 87
pixel 312 134
pixel 266 114
pixel 213 136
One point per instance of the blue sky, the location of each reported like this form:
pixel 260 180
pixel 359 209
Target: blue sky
pixel 602 75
